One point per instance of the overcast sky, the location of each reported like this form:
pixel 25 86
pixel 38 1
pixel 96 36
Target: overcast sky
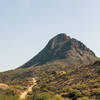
pixel 27 25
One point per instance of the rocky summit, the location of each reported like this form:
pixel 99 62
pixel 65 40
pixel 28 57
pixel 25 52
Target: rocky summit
pixel 63 48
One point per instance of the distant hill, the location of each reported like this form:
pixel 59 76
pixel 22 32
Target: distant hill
pixel 65 49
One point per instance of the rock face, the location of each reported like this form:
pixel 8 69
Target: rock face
pixel 63 48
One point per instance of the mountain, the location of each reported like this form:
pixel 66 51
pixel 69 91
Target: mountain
pixel 54 72
pixel 65 49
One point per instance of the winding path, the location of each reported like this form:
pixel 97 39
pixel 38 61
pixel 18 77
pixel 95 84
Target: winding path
pixel 29 89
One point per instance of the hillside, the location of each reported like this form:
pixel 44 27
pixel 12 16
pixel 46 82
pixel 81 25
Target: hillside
pixel 57 78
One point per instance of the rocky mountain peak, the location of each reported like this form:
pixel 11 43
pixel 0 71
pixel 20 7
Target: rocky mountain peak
pixel 63 48
pixel 61 37
pixel 57 40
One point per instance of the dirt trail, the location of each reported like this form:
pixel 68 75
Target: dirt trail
pixel 29 89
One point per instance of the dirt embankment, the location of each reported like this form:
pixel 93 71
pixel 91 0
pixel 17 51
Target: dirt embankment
pixel 4 86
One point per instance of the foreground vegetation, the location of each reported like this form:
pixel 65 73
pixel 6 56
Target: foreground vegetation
pixel 42 96
pixel 8 97
pixel 55 81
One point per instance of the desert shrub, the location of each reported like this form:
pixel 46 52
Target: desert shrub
pixel 8 97
pixel 10 92
pixel 89 75
pixel 46 96
pixel 86 93
pixel 74 93
pixel 85 98
pixel 96 85
pixel 66 99
pixel 43 85
pixel 58 97
pixel 96 93
pixel 51 88
pixel 41 96
pixel 80 86
pixel 67 89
